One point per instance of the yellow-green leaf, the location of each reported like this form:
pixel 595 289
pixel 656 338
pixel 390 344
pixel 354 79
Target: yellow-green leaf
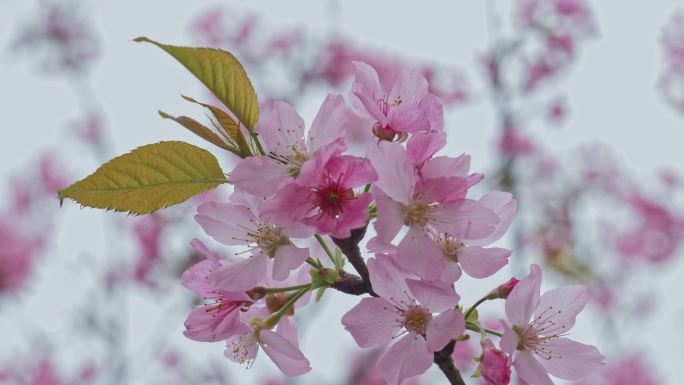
pixel 197 128
pixel 148 178
pixel 222 74
pixel 229 126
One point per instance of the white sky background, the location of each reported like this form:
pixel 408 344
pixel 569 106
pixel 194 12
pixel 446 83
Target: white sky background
pixel 611 92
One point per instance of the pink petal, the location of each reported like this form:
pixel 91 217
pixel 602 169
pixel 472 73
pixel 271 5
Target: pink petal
pixel 410 87
pixel 423 145
pixel 210 324
pixel 227 223
pixel 329 123
pixel 530 370
pixel 283 130
pixel 524 298
pixel 286 259
pixel 509 340
pixel 196 277
pixel 289 206
pixel 451 273
pixel 504 206
pixel 571 360
pixel 418 253
pixel 562 305
pixel 390 217
pixel 464 219
pixel 242 348
pixel 287 357
pixel 408 118
pixel 408 357
pixel 240 276
pixel 444 166
pixel 432 296
pixel 372 323
pixel 396 175
pixel 259 175
pixel 365 93
pixel 479 262
pixel 387 280
pixel 434 112
pixel 442 189
pixel 351 171
pixel 443 328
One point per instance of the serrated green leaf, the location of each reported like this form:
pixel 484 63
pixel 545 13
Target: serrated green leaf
pixel 148 178
pixel 222 74
pixel 197 128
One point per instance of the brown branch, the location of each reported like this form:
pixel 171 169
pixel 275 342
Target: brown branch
pixel 446 364
pixel 350 248
pixel 351 284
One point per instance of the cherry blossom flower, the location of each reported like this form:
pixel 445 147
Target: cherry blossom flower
pixel 429 206
pixel 323 196
pixel 239 223
pixel 407 108
pixel 534 335
pixel 280 346
pixel 422 311
pixel 218 319
pixel 283 134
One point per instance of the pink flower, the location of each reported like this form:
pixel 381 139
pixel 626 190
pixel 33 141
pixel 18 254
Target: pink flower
pixel 239 224
pixel 495 365
pixel 323 196
pixel 534 335
pixel 407 108
pixel 280 346
pixel 218 319
pixel 476 260
pixel 658 234
pixel 428 205
pixel 404 306
pixel 282 132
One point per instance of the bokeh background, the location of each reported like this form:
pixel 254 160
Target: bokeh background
pixel 575 106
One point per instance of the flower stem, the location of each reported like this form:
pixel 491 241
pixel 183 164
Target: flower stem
pixel 271 290
pixel 325 247
pixel 291 302
pixel 475 305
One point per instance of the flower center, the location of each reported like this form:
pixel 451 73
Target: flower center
pixel 268 237
pixel 332 198
pixel 449 245
pixel 416 212
pixel 416 319
pixel 536 336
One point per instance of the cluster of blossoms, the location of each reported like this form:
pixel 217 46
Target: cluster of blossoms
pixel 427 232
pixel 672 78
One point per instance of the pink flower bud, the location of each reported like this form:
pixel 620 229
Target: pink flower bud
pixel 495 367
pixel 503 290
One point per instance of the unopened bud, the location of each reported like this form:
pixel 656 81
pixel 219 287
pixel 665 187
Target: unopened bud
pixel 495 366
pixel 276 301
pixel 503 290
pixel 256 293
